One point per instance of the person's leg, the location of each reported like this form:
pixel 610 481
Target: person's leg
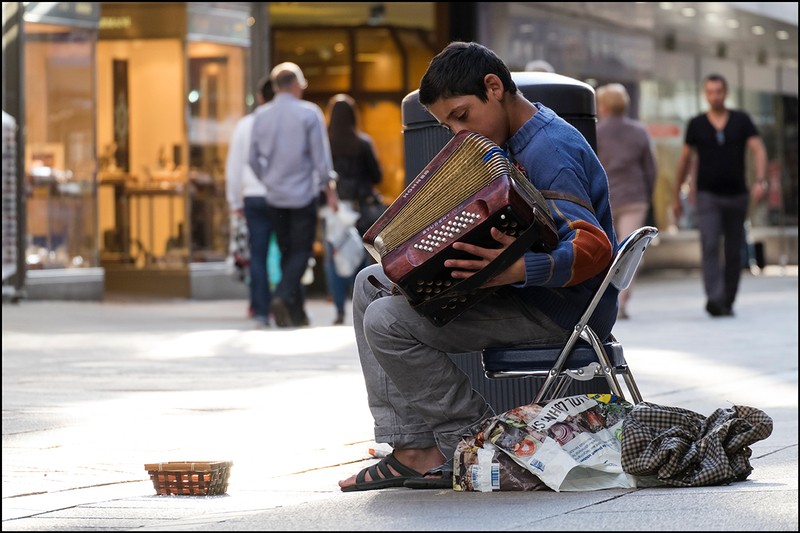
pixel 348 283
pixel 391 414
pixel 389 409
pixel 733 219
pixel 303 234
pixel 709 223
pixel 422 403
pixel 295 230
pixel 281 220
pixel 336 284
pixel 259 229
pixel 627 219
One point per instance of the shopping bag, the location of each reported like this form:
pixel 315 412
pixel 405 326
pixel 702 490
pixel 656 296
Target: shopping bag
pixel 238 259
pixel 340 232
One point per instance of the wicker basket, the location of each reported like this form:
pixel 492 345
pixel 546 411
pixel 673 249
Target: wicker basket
pixel 200 478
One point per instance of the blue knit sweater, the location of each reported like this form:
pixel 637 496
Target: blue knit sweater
pixel 557 157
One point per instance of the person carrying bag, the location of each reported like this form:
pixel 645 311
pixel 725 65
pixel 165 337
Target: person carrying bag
pixel 356 163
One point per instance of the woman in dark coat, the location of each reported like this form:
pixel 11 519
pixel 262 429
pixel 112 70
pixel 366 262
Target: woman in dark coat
pixel 356 162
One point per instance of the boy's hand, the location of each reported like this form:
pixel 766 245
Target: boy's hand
pixel 465 268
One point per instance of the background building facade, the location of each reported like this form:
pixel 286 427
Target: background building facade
pixel 124 109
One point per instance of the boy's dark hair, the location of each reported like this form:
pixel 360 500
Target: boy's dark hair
pixel 718 77
pixel 459 69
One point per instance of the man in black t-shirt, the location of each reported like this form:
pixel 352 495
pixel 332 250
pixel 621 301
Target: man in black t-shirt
pixel 719 140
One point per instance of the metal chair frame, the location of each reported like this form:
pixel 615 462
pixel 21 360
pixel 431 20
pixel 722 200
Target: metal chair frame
pixel 589 356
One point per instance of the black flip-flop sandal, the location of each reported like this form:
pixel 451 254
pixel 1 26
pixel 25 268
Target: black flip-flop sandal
pixel 386 478
pixel 440 477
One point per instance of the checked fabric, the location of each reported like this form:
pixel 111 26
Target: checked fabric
pixel 686 449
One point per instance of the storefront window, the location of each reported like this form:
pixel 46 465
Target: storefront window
pixel 59 150
pixel 323 54
pixel 665 107
pixel 418 51
pixel 216 102
pixel 140 130
pixel 168 100
pixel 379 65
pixel 763 108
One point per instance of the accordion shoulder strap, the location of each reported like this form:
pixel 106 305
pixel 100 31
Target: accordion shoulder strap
pixel 558 195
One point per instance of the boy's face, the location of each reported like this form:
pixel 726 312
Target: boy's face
pixel 470 113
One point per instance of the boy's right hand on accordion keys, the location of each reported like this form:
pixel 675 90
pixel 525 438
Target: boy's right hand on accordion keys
pixel 466 268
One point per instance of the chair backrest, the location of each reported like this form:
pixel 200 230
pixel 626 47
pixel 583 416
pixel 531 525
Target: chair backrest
pixel 603 353
pixel 623 267
pixel 629 256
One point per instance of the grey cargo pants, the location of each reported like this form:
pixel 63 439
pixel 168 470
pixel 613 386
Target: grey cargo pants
pixel 417 396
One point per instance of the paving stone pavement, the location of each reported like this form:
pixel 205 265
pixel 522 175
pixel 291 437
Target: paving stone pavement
pixel 94 390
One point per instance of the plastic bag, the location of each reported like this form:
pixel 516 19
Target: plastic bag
pixel 569 444
pixel 479 466
pixel 340 232
pixel 238 260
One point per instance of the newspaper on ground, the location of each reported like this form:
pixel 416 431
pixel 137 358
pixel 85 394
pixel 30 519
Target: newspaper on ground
pixel 568 444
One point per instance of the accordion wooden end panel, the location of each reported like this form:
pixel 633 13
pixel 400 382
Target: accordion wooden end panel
pixel 468 188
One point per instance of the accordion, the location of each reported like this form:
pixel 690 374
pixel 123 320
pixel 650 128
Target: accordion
pixel 469 187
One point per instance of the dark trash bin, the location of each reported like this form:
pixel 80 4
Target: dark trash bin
pixel 423 138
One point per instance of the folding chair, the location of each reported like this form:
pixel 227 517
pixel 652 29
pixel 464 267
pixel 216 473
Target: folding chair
pixel 584 355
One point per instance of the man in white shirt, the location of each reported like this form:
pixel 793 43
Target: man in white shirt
pixel 247 197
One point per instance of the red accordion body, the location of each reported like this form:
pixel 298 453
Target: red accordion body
pixel 468 188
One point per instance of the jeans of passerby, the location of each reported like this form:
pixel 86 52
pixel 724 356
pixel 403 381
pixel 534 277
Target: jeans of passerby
pixel 259 228
pixel 721 219
pixel 295 230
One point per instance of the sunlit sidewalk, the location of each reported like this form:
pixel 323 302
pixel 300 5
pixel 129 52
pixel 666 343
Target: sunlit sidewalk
pixel 93 391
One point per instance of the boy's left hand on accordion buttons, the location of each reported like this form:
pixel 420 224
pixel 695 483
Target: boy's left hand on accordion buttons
pixel 464 268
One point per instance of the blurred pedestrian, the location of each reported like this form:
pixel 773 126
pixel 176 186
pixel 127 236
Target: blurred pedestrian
pixel 356 163
pixel 626 151
pixel 719 140
pixel 246 197
pixel 290 153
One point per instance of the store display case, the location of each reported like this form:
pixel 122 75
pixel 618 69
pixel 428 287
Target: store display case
pixel 59 162
pixel 162 146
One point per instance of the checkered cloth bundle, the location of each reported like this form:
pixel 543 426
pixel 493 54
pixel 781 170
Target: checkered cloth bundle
pixel 685 449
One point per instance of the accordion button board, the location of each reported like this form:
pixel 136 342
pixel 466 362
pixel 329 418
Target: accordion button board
pixel 418 268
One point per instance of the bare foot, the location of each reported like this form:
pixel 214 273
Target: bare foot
pixel 419 459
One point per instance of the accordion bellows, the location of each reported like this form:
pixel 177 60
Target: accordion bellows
pixel 469 187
